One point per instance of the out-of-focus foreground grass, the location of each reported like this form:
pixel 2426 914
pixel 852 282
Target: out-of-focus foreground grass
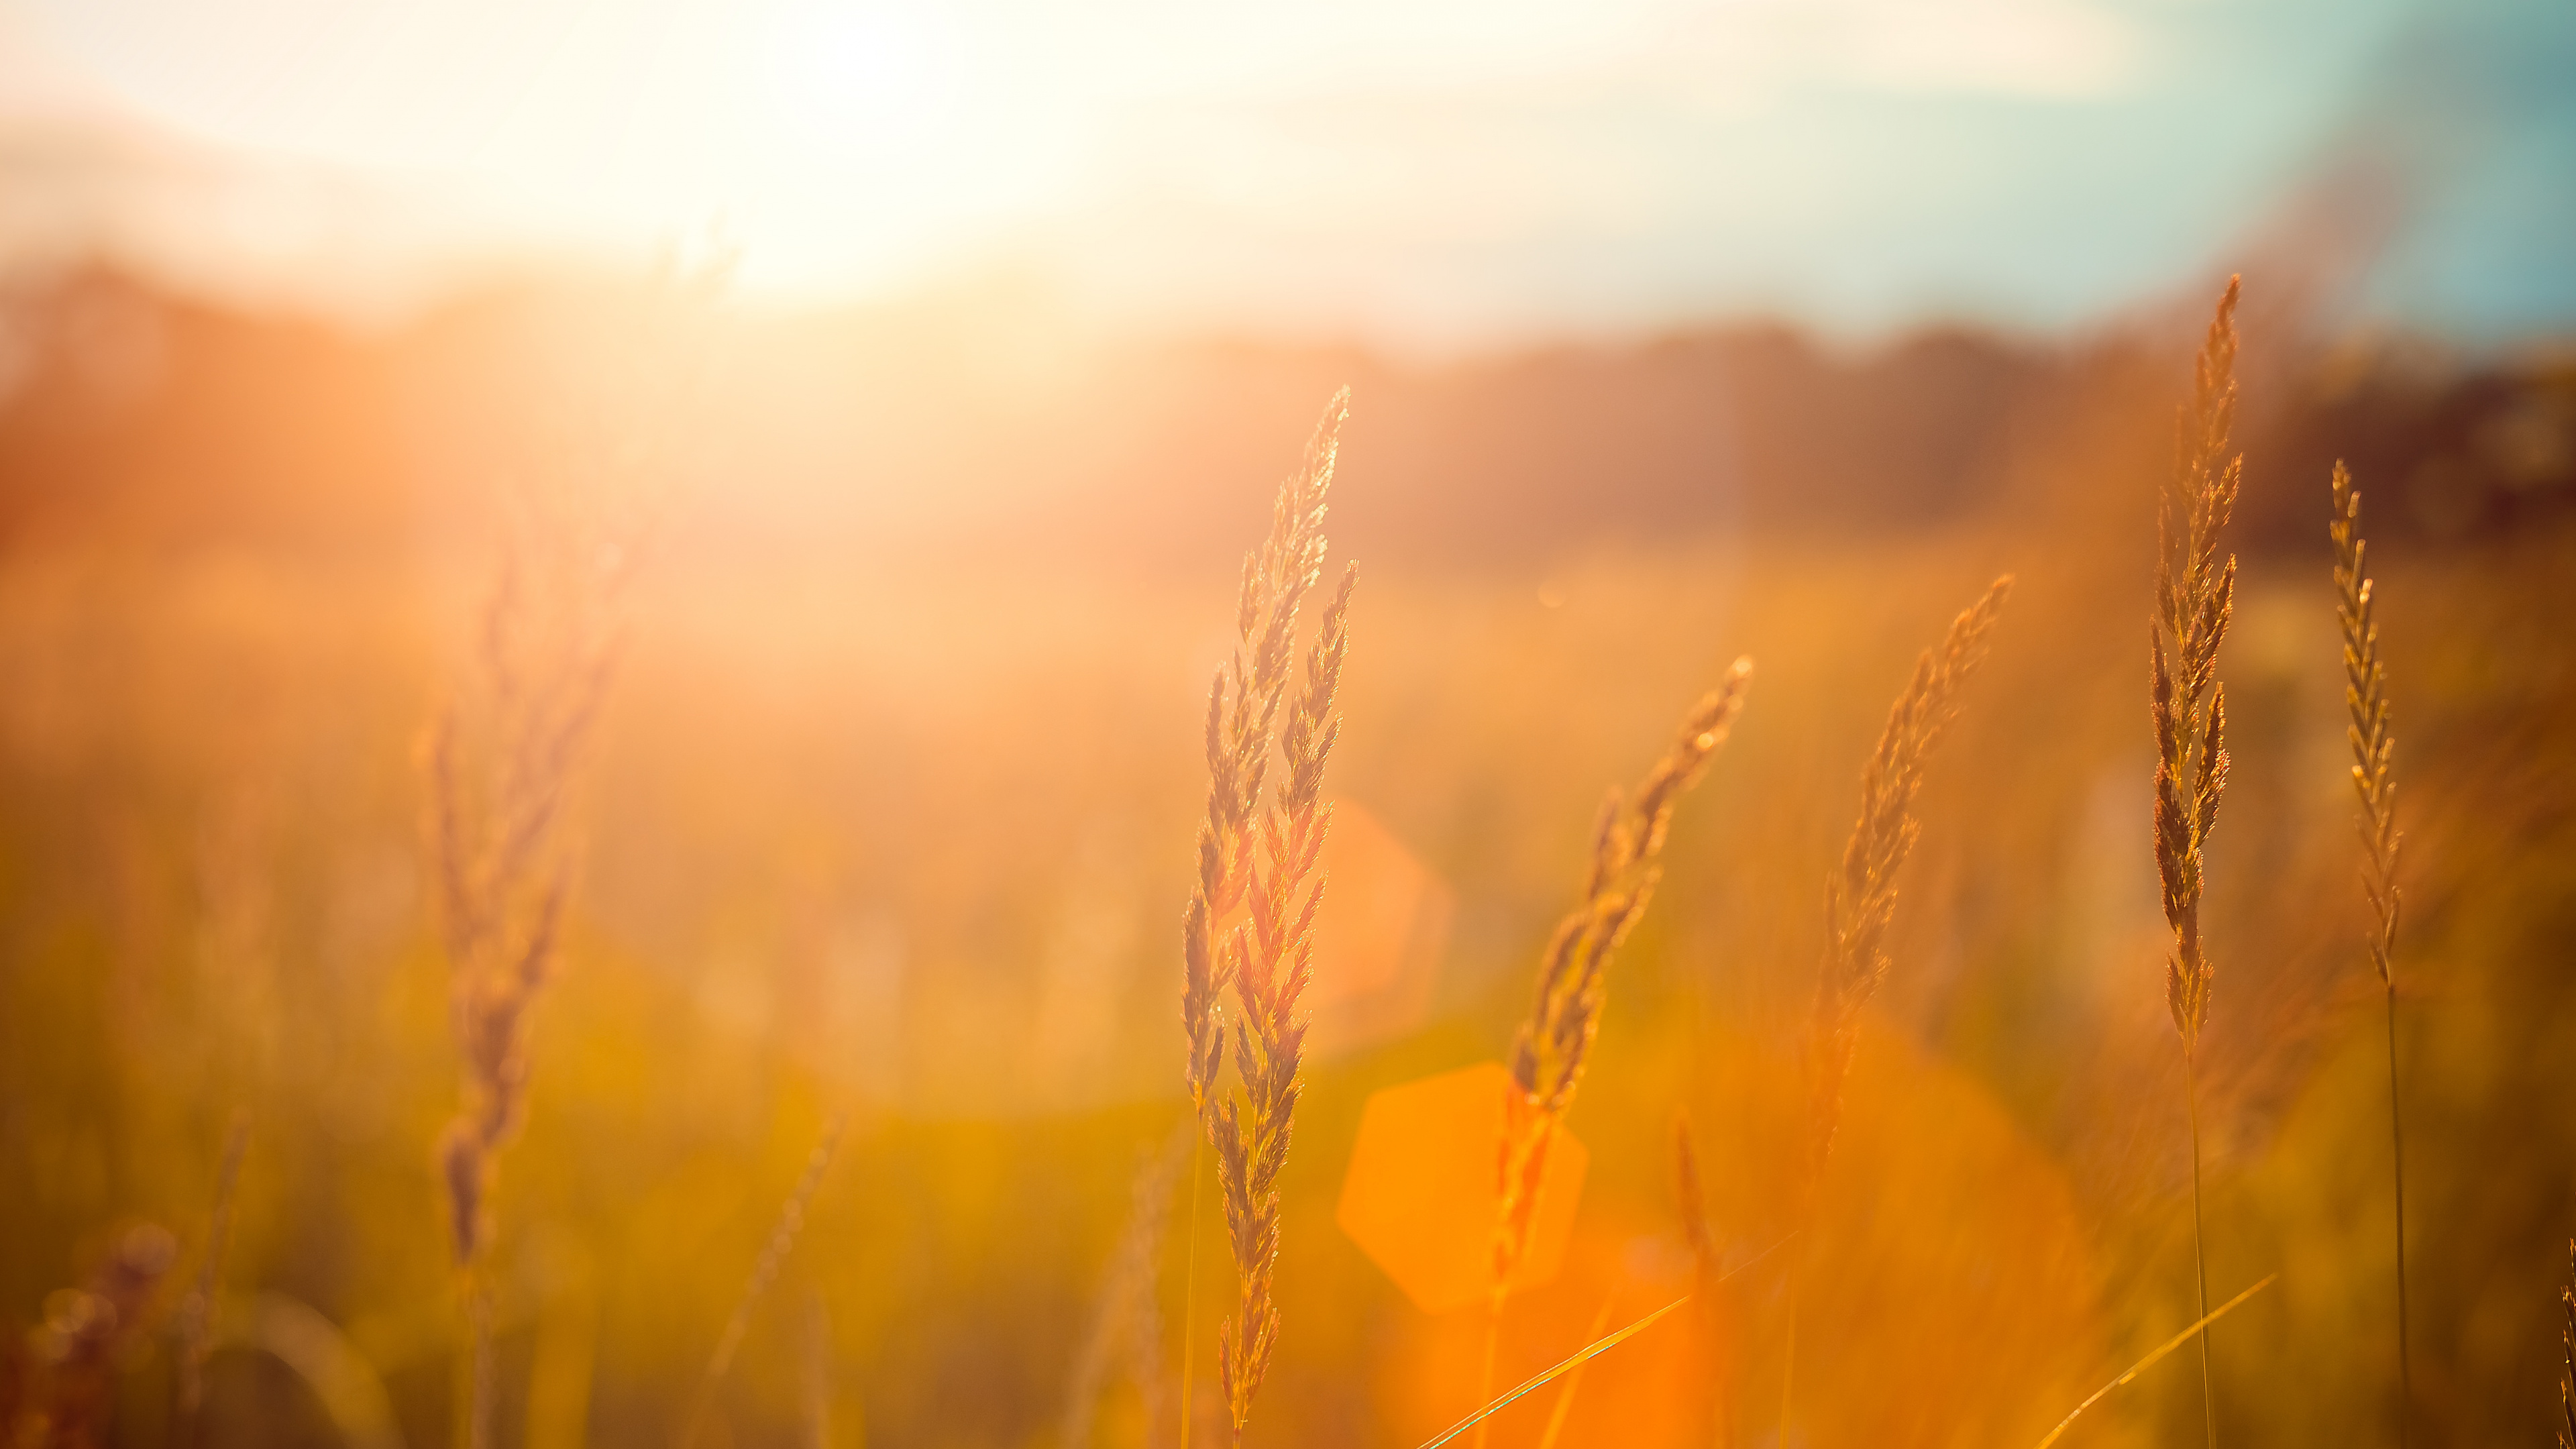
pixel 910 839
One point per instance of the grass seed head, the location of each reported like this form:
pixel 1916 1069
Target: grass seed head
pixel 1860 895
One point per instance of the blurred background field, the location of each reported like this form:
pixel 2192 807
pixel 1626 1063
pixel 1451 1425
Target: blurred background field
pixel 890 808
pixel 888 812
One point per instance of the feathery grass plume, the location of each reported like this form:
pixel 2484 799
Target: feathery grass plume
pixel 503 749
pixel 1126 1318
pixel 1860 900
pixel 1860 897
pixel 502 755
pixel 1553 1046
pixel 194 1327
pixel 2374 779
pixel 764 1271
pixel 503 752
pixel 2195 596
pixel 1252 910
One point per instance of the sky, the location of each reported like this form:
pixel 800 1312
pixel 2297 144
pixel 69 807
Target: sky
pixel 1431 173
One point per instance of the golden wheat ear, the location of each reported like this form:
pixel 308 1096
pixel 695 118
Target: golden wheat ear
pixel 1860 896
pixel 1552 1047
pixel 1248 927
pixel 1554 1044
pixel 764 1271
pixel 1860 900
pixel 2195 594
pixel 2374 780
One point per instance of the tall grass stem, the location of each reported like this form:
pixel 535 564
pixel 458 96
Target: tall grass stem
pixel 2199 1255
pixel 1190 1283
pixel 2397 1156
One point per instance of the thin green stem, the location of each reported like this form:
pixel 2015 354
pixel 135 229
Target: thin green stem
pixel 2397 1154
pixel 1190 1284
pixel 2199 1256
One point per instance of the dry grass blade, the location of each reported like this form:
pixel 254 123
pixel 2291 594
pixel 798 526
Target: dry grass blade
pixel 196 1316
pixel 1127 1317
pixel 773 1256
pixel 2195 598
pixel 1564 1409
pixel 2374 780
pixel 1555 1043
pixel 2150 1361
pixel 1249 925
pixel 1580 1357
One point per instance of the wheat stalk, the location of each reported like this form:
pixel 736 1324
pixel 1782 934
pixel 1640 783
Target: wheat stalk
pixel 1860 897
pixel 764 1271
pixel 1249 925
pixel 1126 1315
pixel 1554 1044
pixel 196 1315
pixel 501 762
pixel 1699 1230
pixel 2195 596
pixel 1860 900
pixel 816 1365
pixel 1552 1047
pixel 2374 780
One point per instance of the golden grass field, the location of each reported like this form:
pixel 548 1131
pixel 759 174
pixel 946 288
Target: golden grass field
pixel 906 842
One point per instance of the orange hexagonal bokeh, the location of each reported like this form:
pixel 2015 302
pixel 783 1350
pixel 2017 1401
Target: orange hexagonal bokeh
pixel 1378 936
pixel 1420 1197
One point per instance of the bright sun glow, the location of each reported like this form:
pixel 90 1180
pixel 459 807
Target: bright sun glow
pixel 1418 169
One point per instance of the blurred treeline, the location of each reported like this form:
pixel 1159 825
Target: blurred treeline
pixel 976 424
pixel 890 813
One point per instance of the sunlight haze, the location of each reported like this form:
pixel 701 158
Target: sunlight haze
pixel 1423 172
